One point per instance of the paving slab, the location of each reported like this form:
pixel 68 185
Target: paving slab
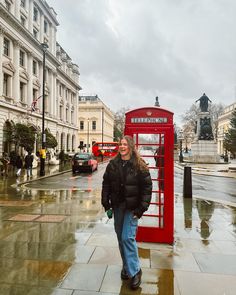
pixel 78 255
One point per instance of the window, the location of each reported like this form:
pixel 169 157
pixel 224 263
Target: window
pixel 36 14
pixel 81 124
pixel 61 111
pixel 46 106
pixel 34 67
pixel 22 20
pixel 35 33
pixel 72 98
pixel 6 47
pixel 5 84
pixel 22 91
pixel 72 117
pixel 45 27
pixel 22 58
pixel 81 145
pixel 93 125
pixel 8 5
pixel 22 3
pixel 35 94
pixel 67 114
pixel 60 90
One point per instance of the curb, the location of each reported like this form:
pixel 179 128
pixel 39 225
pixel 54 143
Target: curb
pixel 207 172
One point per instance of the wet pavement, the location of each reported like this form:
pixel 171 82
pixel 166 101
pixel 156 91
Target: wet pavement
pixel 60 242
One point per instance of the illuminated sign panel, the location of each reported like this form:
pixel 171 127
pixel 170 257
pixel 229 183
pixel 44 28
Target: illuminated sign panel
pixel 148 120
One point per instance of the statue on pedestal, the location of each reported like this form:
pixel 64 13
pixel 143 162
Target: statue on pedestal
pixel 157 104
pixel 205 129
pixel 204 147
pixel 203 103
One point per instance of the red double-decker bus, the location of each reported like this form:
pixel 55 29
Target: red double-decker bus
pixel 106 149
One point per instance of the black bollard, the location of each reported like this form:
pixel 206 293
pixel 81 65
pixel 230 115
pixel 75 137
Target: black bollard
pixel 187 190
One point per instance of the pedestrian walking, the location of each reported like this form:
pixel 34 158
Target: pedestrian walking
pixel 6 162
pixel 19 165
pixel 29 164
pixel 127 189
pixel 13 156
pixel 1 166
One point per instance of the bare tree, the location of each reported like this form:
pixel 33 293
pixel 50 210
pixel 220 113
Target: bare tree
pixel 189 118
pixel 215 111
pixel 119 123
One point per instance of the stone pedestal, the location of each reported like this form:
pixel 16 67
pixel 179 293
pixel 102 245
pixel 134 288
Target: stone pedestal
pixel 204 151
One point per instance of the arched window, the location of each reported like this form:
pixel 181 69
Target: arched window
pixel 62 141
pixel 68 142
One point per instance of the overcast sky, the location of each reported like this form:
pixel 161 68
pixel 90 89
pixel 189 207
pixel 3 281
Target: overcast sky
pixel 130 51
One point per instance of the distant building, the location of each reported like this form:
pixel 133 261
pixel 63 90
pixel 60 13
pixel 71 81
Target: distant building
pixel 24 26
pixel 223 126
pixel 96 122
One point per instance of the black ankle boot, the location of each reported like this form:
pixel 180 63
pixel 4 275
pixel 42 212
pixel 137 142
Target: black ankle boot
pixel 124 275
pixel 136 280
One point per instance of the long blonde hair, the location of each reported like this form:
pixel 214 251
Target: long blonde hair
pixel 139 163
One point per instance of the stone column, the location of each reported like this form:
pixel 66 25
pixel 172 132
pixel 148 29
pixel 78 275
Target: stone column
pixel 30 82
pixel 1 53
pixel 54 94
pixel 41 28
pixel 41 87
pixel 17 9
pixel 53 39
pixel 57 99
pixel 51 92
pixel 50 36
pixel 30 19
pixel 16 77
pixel 65 104
pixel 76 106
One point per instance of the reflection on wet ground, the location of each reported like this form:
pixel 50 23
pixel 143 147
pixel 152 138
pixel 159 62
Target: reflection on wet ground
pixel 60 242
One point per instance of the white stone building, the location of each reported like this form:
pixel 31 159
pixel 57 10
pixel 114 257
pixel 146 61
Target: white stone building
pixel 96 122
pixel 223 126
pixel 24 26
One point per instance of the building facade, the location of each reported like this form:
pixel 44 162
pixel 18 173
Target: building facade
pixel 24 26
pixel 223 126
pixel 96 122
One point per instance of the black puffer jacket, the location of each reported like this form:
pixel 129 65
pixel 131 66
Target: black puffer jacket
pixel 135 187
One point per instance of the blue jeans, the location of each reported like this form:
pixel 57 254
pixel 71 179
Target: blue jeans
pixel 126 227
pixel 29 171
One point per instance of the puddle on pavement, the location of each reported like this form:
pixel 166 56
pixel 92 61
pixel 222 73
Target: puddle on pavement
pixel 48 241
pixel 207 219
pixel 44 246
pixel 154 282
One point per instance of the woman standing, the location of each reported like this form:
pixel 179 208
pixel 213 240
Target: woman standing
pixel 127 189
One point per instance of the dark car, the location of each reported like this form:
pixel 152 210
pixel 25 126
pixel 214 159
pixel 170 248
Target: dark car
pixel 84 162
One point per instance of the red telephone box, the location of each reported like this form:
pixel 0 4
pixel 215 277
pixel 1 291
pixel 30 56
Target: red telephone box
pixel 153 132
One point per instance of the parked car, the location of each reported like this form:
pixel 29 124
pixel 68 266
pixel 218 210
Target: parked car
pixel 84 162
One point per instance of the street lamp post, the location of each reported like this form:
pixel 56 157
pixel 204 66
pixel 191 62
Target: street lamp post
pixel 226 157
pixel 181 158
pixel 88 137
pixel 43 152
pixel 102 129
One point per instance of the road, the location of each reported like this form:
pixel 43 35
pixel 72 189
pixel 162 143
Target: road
pixel 209 187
